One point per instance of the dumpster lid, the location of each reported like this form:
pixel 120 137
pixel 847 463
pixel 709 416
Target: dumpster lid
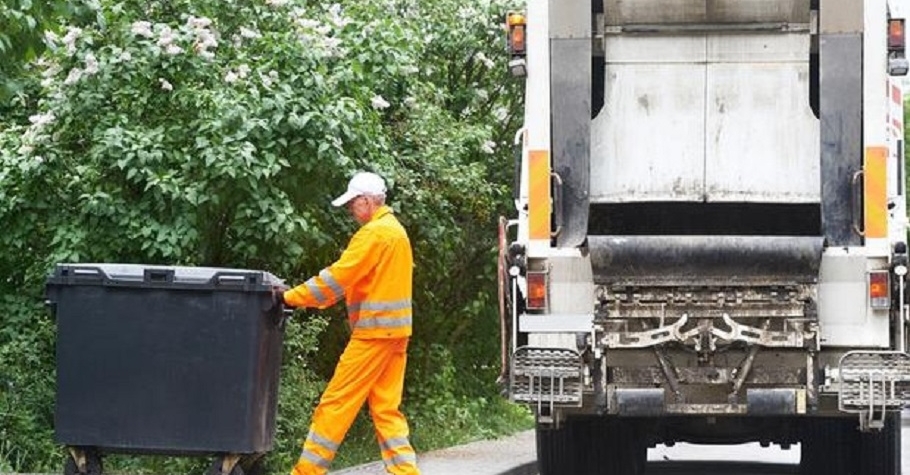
pixel 158 274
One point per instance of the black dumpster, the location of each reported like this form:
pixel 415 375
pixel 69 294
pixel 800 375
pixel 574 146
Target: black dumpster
pixel 165 360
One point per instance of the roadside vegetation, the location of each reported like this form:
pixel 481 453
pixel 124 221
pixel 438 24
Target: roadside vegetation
pixel 215 133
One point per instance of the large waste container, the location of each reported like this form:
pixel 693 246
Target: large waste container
pixel 165 360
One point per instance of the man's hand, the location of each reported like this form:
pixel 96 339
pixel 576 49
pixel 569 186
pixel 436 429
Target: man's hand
pixel 278 297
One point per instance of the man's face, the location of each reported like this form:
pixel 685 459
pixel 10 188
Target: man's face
pixel 360 209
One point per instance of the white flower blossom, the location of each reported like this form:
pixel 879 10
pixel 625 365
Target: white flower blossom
pixel 40 120
pixel 142 28
pixel 230 77
pixel 26 150
pixel 243 71
pixel 73 77
pixel 489 63
pixel 248 33
pixel 410 101
pixel 198 22
pixel 378 102
pixel 91 64
pixel 268 79
pixel 500 113
pixel 50 38
pixel 307 23
pixel 237 41
pixel 410 69
pixel 126 57
pixel 468 13
pixel 333 46
pixel 173 50
pixel 276 3
pixel 488 147
pixel 165 36
pixel 72 34
pixel 337 18
pixel 167 86
pixel 205 39
pixel 49 75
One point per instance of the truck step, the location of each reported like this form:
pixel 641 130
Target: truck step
pixel 551 376
pixel 874 381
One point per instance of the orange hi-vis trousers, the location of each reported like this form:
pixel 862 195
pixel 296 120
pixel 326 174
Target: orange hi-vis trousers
pixel 368 370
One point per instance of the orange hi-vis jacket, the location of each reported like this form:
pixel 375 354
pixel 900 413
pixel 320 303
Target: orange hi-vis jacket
pixel 374 274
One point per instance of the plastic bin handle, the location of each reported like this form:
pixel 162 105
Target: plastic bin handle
pixel 158 275
pixel 82 274
pixel 228 278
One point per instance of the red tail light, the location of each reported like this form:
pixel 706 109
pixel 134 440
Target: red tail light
pixel 537 290
pixel 896 35
pixel 879 290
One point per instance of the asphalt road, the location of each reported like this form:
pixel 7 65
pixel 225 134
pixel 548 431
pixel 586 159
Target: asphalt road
pixel 515 455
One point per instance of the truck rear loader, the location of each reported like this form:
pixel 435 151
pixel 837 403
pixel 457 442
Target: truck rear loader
pixel 710 239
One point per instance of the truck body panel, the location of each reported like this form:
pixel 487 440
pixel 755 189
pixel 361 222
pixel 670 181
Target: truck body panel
pixel 709 97
pixel 710 241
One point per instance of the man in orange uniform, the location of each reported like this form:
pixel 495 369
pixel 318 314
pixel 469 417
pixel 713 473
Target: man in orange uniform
pixel 374 276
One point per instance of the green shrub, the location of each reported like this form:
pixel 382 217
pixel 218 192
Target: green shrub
pixel 215 132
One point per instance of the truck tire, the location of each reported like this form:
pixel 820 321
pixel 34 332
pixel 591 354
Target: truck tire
pixel 835 446
pixel 826 446
pixel 592 446
pixel 880 452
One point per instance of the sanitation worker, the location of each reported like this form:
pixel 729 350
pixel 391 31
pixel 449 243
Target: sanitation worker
pixel 373 276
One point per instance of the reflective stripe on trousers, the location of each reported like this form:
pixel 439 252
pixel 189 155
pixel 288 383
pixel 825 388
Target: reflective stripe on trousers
pixel 372 371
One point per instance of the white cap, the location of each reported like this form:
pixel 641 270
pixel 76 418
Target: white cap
pixel 362 183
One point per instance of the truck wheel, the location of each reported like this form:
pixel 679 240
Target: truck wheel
pixel 827 446
pixel 835 446
pixel 595 446
pixel 880 452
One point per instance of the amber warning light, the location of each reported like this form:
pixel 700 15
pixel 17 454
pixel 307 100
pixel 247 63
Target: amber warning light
pixel 516 25
pixel 517 43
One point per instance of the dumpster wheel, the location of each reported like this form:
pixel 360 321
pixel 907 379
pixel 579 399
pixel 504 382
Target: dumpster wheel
pixel 225 464
pixel 83 461
pixel 253 464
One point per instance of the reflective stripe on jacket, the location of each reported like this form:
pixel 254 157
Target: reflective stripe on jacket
pixel 373 274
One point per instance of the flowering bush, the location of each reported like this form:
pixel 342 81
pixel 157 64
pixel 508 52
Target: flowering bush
pixel 215 132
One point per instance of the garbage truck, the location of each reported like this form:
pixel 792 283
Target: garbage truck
pixel 709 242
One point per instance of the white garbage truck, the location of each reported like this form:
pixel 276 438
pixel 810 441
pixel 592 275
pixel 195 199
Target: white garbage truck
pixel 710 238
